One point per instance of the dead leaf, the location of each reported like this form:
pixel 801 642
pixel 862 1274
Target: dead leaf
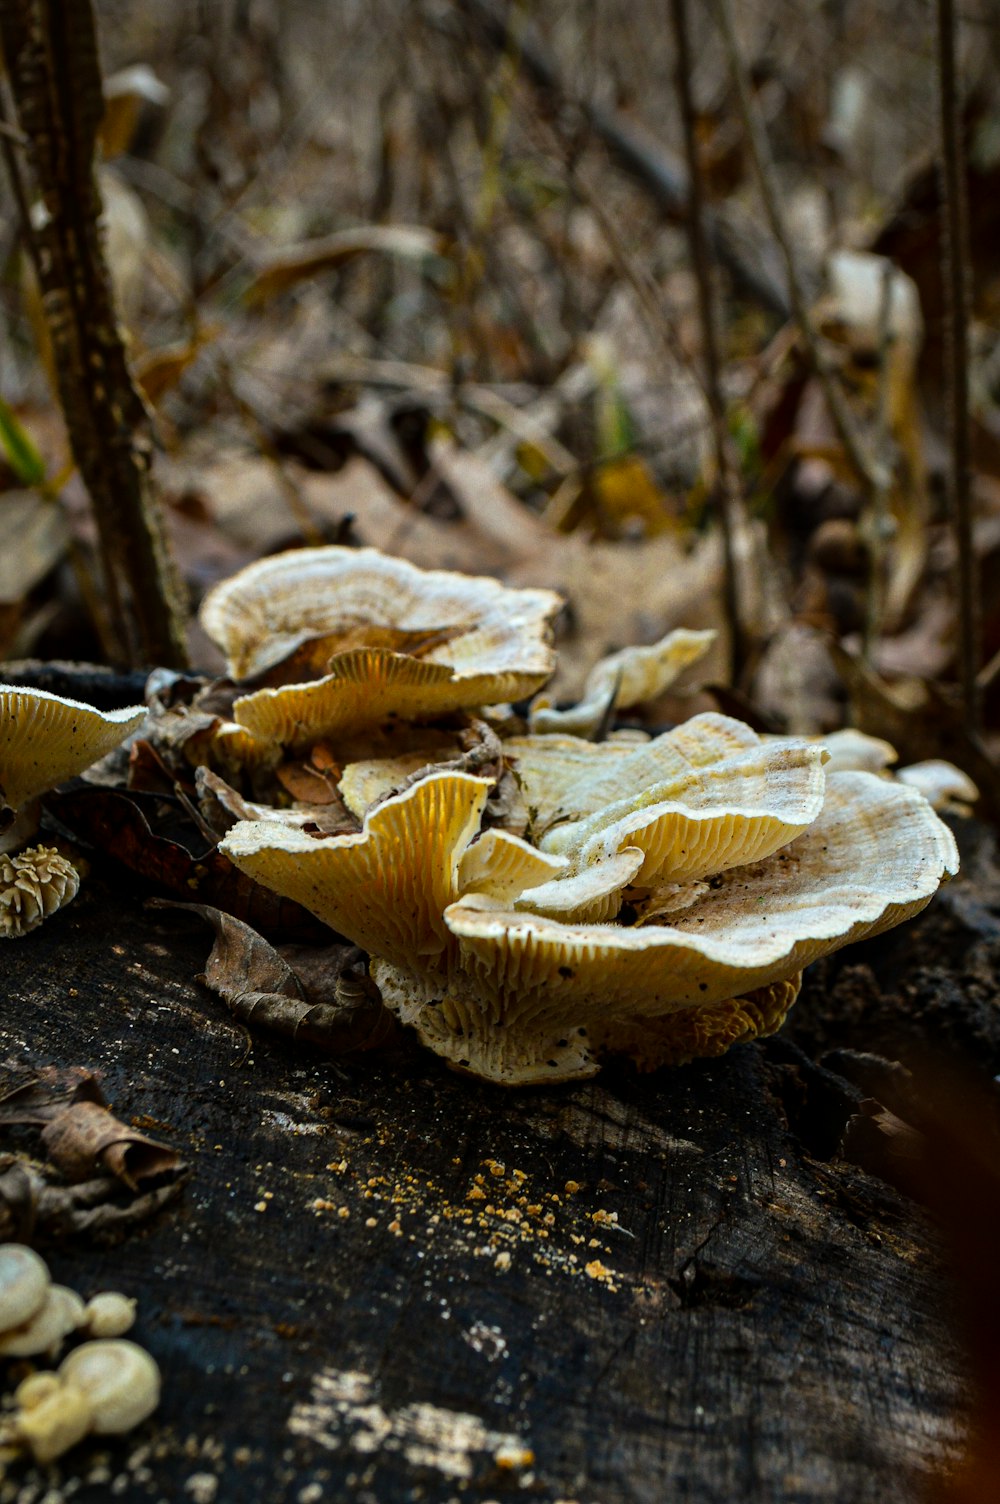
pixel 81 1136
pixel 115 822
pixel 298 263
pixel 323 999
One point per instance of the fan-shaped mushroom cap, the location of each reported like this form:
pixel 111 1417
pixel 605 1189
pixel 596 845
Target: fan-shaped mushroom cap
pixel 852 750
pixel 120 1380
pixel 706 819
pixel 24 1281
pixel 33 886
pixel 695 1033
pixel 386 887
pixel 874 857
pixel 944 786
pixel 499 865
pixel 60 1313
pixel 45 739
pixel 591 895
pixel 624 679
pixel 495 640
pixel 505 989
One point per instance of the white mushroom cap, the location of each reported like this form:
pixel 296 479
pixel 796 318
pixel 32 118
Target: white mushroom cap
pixel 60 1314
pixel 624 679
pixel 120 1380
pixel 45 739
pixel 945 787
pixel 109 1314
pixel 873 858
pixel 493 634
pixel 852 750
pixel 24 1282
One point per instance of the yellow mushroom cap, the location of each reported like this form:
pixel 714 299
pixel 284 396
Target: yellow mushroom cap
pixel 493 634
pixel 385 887
pixel 45 739
pixel 119 1379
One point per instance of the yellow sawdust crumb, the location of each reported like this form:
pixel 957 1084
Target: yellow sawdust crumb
pixel 371 1221
pixel 343 1213
pixel 572 1186
pixel 510 1455
pixel 597 1270
pixel 475 1194
pixel 261 1206
pixel 502 1261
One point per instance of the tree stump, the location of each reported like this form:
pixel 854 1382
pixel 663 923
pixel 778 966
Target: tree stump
pixel 385 1282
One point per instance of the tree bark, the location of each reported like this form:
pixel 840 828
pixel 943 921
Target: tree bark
pixel 386 1282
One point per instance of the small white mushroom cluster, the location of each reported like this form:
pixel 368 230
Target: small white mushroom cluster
pixel 105 1386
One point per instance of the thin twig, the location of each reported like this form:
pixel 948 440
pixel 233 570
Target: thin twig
pixel 698 243
pixel 954 246
pixel 868 467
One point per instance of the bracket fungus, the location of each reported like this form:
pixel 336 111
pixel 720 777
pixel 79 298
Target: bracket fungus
pixel 519 961
pixel 44 739
pixel 354 637
pixel 623 680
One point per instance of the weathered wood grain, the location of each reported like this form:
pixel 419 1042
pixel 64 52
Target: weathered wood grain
pixel 387 1283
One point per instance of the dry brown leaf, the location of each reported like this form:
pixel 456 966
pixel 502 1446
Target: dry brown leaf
pixel 324 1000
pixel 298 263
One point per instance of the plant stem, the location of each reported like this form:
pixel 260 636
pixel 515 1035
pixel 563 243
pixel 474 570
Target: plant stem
pixel 50 48
pixel 954 248
pixel 723 498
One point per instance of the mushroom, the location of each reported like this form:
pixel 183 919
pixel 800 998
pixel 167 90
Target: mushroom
pixel 60 1313
pixel 119 1379
pixel 44 740
pixel 24 1281
pixel 109 1314
pixel 512 960
pixel 944 786
pixel 51 1418
pixel 622 681
pixel 354 613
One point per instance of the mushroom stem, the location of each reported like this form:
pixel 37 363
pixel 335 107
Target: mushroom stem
pixel 17 827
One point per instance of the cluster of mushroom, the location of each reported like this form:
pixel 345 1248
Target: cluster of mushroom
pixel 658 896
pixel 106 1386
pixel 44 739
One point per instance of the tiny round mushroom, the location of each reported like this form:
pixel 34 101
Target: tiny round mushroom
pixel 60 1314
pixel 109 1314
pixel 24 1280
pixel 58 1418
pixel 120 1380
pixel 34 1389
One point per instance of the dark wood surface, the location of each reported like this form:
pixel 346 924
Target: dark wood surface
pixel 384 1280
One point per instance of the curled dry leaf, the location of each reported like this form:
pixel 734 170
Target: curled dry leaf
pixel 81 1136
pixel 35 1210
pixel 324 1000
